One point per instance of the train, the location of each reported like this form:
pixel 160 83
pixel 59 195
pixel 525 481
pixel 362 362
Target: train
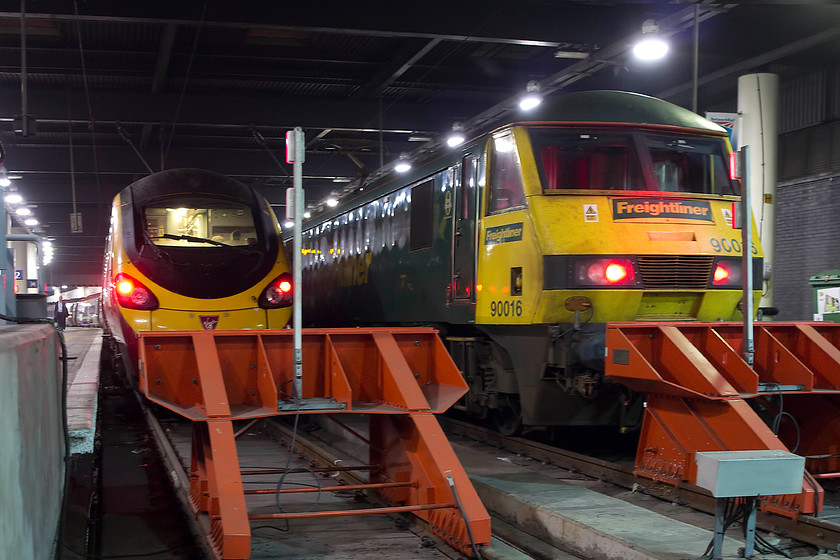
pixel 520 246
pixel 190 249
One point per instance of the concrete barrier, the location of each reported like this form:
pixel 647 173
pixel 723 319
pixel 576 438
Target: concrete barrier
pixel 31 441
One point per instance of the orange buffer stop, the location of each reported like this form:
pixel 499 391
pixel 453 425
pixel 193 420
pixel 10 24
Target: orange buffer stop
pixel 703 396
pixel 401 377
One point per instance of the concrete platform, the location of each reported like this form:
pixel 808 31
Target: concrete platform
pixel 84 346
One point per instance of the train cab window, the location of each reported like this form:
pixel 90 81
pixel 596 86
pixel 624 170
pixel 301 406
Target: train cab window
pixel 199 223
pixel 587 160
pixel 505 190
pixel 689 164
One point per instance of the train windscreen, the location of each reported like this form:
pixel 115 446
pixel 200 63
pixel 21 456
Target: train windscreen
pixel 194 223
pixel 204 246
pixel 631 161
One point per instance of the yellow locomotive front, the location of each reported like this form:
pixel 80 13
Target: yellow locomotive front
pixel 193 250
pixel 596 221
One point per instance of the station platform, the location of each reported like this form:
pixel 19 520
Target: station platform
pixel 84 347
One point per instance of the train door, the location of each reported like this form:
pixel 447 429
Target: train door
pixel 464 235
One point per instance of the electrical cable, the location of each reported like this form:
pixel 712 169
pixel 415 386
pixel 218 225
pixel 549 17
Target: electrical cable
pixel 287 470
pixel 124 135
pixel 138 555
pixel 259 137
pixel 777 420
pixel 463 515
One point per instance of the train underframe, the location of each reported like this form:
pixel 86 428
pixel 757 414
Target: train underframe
pixel 540 376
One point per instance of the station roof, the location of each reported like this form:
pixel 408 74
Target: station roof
pixel 126 87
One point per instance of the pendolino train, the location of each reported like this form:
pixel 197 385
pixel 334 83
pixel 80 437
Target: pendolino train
pixel 189 250
pixel 524 242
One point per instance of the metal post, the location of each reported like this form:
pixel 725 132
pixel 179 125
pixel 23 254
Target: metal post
pixel 751 505
pixel 297 246
pixel 695 71
pixel 24 94
pixel 747 306
pixel 720 514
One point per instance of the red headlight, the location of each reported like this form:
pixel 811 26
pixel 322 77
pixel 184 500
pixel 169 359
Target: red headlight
pixel 278 293
pixel 605 272
pixel 132 294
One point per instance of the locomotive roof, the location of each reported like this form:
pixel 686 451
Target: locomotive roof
pixel 623 107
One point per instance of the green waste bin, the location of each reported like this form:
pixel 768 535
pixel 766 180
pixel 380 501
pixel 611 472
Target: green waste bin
pixel 826 295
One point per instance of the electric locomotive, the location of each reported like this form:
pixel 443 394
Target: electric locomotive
pixel 190 249
pixel 524 242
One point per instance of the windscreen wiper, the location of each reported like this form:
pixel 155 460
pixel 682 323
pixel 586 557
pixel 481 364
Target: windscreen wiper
pixel 192 238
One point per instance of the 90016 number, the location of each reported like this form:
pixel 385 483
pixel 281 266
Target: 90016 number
pixel 506 309
pixel 728 245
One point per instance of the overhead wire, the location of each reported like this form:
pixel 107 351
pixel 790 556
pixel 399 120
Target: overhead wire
pixel 261 139
pixel 124 135
pixel 184 86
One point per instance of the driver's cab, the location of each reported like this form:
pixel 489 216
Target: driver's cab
pixel 196 224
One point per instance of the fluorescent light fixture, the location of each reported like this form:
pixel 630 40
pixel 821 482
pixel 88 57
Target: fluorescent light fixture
pixel 532 96
pixel 23 211
pixel 289 224
pixel 307 214
pixel 332 202
pixel 31 222
pixel 456 137
pixel 651 46
pixel 403 165
pixel 14 198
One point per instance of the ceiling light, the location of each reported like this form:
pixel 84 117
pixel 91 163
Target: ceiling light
pixel 403 164
pixel 31 222
pixel 4 177
pixel 651 46
pixel 289 224
pixel 307 214
pixel 456 137
pixel 14 198
pixel 332 202
pixel 532 96
pixel 23 211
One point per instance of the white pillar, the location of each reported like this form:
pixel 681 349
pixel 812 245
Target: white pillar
pixel 758 128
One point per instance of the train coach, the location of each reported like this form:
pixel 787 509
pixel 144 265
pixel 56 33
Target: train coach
pixel 524 242
pixel 189 250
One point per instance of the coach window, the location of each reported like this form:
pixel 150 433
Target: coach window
pixel 421 218
pixel 505 178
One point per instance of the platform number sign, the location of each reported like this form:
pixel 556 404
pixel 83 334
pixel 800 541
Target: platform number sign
pixel 18 274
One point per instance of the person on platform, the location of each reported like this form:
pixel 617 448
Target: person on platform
pixel 60 314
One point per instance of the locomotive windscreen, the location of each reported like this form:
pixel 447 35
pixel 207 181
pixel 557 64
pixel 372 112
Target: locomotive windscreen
pixel 213 239
pixel 634 161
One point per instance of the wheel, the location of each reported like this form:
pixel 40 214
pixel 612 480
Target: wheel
pixel 508 417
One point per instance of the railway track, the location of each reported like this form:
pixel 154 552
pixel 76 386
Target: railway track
pixel 822 532
pixel 312 452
